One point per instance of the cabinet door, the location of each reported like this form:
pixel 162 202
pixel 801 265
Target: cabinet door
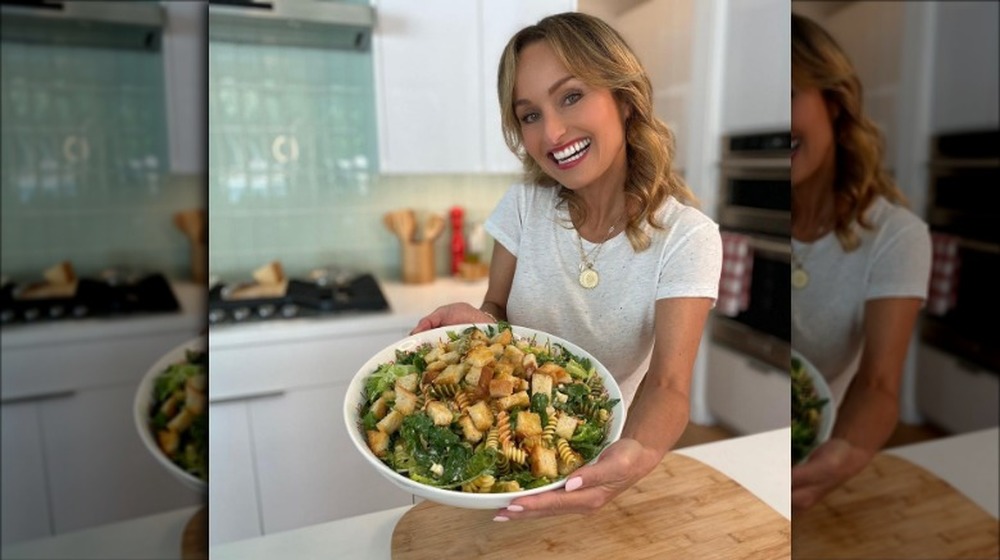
pixel 232 491
pixel 308 470
pixel 25 494
pixel 500 20
pixel 957 396
pixel 427 81
pixel 757 69
pixel 745 394
pixel 99 469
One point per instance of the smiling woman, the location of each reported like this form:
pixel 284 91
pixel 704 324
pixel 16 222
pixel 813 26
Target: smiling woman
pixel 576 108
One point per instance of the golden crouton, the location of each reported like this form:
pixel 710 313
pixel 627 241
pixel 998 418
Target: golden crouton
pixel 503 369
pixel 529 364
pixel 378 442
pixel 182 421
pixel 554 370
pixel 450 357
pixel 168 441
pixel 503 337
pixel 439 412
pixel 528 424
pixel 433 355
pixel 479 357
pixel 436 365
pixel 503 387
pixel 565 427
pixel 541 383
pixel 380 407
pixel 481 415
pixel 391 422
pixel 532 442
pixel 543 462
pixel 469 430
pixel 517 399
pixel 472 377
pixel 408 382
pixel 451 375
pixel 406 401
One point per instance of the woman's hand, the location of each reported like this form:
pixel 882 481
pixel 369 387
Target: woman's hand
pixel 589 488
pixel 451 314
pixel 830 465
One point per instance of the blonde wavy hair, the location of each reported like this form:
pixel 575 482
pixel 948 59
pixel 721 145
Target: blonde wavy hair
pixel 596 54
pixel 818 61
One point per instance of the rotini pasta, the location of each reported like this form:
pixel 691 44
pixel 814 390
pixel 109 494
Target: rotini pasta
pixel 486 411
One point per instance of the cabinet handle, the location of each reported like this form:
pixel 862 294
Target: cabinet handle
pixel 39 397
pixel 249 396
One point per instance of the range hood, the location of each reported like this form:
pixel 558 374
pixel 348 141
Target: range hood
pixel 303 23
pixel 128 25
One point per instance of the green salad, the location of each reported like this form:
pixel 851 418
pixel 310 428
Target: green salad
pixel 178 415
pixel 807 409
pixel 486 411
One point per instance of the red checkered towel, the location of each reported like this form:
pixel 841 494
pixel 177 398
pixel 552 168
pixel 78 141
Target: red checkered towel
pixel 737 266
pixel 943 289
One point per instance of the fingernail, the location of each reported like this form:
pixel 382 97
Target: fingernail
pixel 501 518
pixel 574 483
pixel 515 507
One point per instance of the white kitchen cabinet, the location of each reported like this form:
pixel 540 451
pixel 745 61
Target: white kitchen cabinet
pixel 25 516
pixel 74 457
pixel 756 88
pixel 184 51
pixel 281 404
pixel 746 395
pixel 955 395
pixel 435 80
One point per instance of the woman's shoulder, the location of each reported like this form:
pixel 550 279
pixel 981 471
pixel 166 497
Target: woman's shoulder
pixel 885 215
pixel 674 213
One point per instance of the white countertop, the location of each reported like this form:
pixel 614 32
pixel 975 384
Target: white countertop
pixel 191 297
pixel 407 304
pixel 156 537
pixel 749 460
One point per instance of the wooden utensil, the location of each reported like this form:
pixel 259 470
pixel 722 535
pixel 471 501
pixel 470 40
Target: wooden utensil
pixel 683 509
pixel 895 509
pixel 193 223
pixel 434 227
pixel 194 539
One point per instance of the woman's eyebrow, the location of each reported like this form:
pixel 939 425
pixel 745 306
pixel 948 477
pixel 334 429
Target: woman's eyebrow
pixel 552 88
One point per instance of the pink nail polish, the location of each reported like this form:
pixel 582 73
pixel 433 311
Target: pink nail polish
pixel 501 518
pixel 574 483
pixel 515 507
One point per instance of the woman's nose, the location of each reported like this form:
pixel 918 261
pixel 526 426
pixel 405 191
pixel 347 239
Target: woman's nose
pixel 555 128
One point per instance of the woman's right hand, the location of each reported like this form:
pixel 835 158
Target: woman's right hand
pixel 451 314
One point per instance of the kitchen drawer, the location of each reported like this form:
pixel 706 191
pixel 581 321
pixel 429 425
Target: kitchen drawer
pixel 244 371
pixel 745 394
pixel 954 395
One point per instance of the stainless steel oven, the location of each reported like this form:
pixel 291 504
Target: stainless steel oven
pixel 755 203
pixel 964 174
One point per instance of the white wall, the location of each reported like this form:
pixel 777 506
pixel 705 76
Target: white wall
pixel 966 67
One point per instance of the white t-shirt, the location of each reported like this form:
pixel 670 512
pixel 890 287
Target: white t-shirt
pixel 613 321
pixel 893 260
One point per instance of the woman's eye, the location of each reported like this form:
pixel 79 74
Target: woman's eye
pixel 529 118
pixel 572 98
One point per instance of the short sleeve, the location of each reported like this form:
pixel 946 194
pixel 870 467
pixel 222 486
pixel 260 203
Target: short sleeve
pixel 505 223
pixel 692 266
pixel 901 265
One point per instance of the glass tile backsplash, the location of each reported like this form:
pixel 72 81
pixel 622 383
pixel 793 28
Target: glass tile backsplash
pixel 293 168
pixel 85 162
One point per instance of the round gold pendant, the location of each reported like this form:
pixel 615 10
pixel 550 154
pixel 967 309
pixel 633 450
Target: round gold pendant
pixel 799 278
pixel 589 278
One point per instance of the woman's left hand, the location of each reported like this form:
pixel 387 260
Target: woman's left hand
pixel 829 465
pixel 588 488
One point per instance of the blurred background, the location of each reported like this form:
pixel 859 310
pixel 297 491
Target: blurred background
pixel 103 242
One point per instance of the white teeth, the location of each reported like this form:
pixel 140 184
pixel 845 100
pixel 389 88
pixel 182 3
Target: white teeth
pixel 795 143
pixel 571 152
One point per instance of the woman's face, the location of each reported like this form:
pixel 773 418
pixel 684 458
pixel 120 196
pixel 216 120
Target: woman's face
pixel 575 132
pixel 813 146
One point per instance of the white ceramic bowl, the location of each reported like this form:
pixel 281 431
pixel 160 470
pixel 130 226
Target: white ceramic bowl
pixel 354 400
pixel 828 414
pixel 143 403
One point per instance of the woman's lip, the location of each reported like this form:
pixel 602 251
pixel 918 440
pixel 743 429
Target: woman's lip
pixel 566 145
pixel 570 164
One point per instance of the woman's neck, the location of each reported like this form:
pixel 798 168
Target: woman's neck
pixel 814 205
pixel 605 205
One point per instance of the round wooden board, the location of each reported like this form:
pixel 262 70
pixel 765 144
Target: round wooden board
pixel 194 540
pixel 683 509
pixel 895 509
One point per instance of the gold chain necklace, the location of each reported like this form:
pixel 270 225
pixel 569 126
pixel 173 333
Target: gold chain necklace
pixel 588 274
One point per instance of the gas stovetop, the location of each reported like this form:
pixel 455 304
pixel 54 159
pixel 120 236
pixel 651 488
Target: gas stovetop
pixel 92 298
pixel 302 298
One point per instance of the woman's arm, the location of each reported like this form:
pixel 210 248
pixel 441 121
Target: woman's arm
pixel 658 416
pixel 494 304
pixel 868 414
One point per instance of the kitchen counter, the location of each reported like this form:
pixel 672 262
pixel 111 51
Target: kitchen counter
pixel 749 460
pixel 407 304
pixel 154 537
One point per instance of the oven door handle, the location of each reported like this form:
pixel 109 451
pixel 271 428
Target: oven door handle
pixel 979 246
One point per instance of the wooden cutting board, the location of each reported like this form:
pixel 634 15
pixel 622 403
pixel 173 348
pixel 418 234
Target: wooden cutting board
pixel 683 509
pixel 895 509
pixel 194 540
